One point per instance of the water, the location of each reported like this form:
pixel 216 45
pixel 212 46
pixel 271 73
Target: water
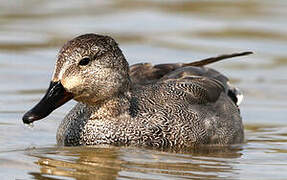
pixel 31 32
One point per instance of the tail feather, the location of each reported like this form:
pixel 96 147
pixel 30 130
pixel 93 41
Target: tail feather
pixel 236 95
pixel 210 60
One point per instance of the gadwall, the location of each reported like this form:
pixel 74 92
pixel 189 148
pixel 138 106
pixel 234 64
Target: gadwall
pixel 172 106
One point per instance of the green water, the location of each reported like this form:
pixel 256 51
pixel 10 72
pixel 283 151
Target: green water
pixel 31 32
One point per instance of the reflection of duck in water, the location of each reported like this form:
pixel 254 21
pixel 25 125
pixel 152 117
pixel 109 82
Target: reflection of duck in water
pixel 164 106
pixel 132 163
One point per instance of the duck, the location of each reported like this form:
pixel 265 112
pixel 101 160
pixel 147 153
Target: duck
pixel 163 106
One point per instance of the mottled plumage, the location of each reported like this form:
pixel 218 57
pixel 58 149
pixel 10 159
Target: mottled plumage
pixel 174 106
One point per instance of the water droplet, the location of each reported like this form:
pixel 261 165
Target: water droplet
pixel 30 125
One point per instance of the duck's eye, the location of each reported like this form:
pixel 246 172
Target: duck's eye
pixel 84 61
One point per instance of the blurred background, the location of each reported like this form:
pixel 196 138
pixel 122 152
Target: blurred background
pixel 32 31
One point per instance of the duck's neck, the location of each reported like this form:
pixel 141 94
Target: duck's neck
pixel 111 108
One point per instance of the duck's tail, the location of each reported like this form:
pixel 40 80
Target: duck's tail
pixel 210 60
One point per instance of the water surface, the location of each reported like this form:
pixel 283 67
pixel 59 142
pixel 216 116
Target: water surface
pixel 31 32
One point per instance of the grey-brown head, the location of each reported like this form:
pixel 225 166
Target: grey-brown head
pixel 89 68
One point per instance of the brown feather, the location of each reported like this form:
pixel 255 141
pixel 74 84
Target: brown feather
pixel 210 60
pixel 144 73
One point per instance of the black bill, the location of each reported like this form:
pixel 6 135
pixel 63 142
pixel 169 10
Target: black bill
pixel 55 96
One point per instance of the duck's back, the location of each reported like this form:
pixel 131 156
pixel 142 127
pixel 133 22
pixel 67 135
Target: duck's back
pixel 185 107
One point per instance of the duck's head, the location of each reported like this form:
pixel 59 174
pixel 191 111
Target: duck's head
pixel 90 68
